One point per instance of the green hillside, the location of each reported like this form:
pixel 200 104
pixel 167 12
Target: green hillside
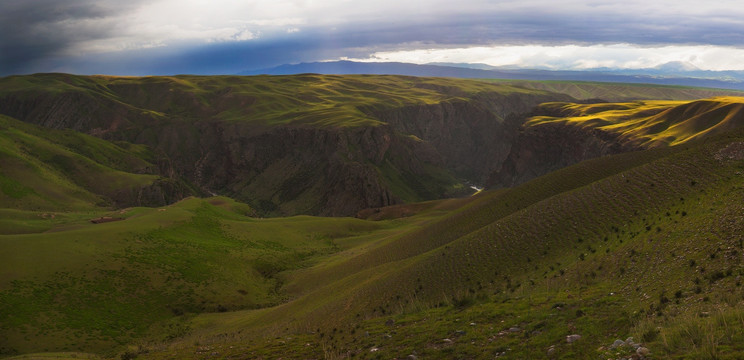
pixel 643 244
pixel 638 244
pixel 650 123
pixel 56 171
pixel 309 99
pixel 618 92
pixel 106 285
pixel 99 259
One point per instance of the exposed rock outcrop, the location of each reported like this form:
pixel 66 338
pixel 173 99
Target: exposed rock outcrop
pixel 472 136
pixel 543 148
pixel 161 192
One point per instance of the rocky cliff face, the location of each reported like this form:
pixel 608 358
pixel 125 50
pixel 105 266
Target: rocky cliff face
pixel 295 170
pixel 474 136
pixel 160 193
pixel 544 148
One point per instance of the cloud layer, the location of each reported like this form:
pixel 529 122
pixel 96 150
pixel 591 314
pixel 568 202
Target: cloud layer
pixel 573 57
pixel 220 36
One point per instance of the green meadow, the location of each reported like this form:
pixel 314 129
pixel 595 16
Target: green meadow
pixel 106 285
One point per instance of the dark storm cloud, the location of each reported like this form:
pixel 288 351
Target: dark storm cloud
pixel 34 30
pixel 46 35
pixel 512 27
pixel 218 58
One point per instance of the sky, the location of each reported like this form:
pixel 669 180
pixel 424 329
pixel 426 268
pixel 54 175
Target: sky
pixel 160 37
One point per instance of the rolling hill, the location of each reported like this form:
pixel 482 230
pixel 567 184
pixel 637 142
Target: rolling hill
pixel 644 245
pixel 637 244
pixel 620 92
pixel 670 75
pixel 62 170
pixel 636 231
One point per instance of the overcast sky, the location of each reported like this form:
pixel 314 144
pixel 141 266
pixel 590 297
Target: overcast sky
pixel 149 37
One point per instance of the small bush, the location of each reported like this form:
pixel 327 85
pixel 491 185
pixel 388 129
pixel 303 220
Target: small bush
pixel 650 335
pixel 663 299
pixel 718 275
pixel 464 302
pixel 129 355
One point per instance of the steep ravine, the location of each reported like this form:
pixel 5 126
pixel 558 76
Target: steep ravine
pixel 544 148
pixel 472 136
pixel 288 170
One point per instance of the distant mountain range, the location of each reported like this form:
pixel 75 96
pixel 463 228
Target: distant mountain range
pixel 672 73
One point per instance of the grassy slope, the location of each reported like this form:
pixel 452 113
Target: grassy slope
pixel 317 100
pixel 52 170
pixel 108 284
pixel 435 272
pixel 617 92
pixel 651 123
pixel 641 240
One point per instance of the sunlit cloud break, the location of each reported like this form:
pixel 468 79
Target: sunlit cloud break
pixel 572 57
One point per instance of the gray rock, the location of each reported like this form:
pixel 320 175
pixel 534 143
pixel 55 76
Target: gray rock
pixel 618 343
pixel 551 350
pixel 514 329
pixel 642 351
pixel 572 338
pixel 447 341
pixel 629 341
pixel 460 332
pixel 412 357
